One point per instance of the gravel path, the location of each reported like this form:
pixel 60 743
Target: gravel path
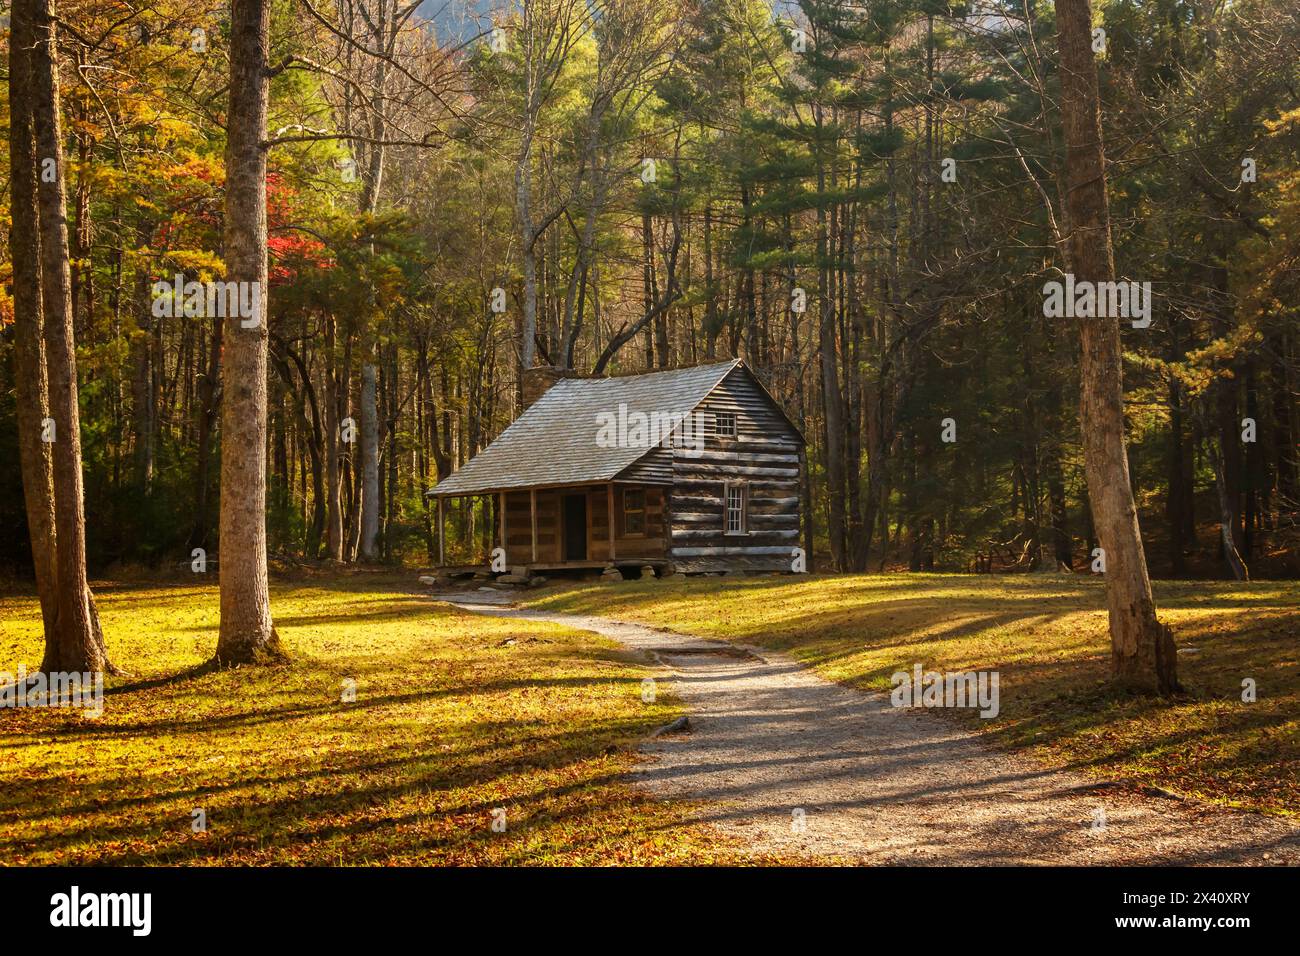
pixel 770 741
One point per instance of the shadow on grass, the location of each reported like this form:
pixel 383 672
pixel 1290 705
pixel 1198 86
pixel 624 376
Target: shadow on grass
pixel 250 807
pixel 1048 640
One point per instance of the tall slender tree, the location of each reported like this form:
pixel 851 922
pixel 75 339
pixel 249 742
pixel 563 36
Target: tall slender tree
pixel 333 467
pixel 30 378
pixel 1142 648
pixel 247 633
pixel 78 644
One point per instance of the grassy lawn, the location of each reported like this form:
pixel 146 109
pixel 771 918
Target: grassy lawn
pixel 455 715
pixel 1048 639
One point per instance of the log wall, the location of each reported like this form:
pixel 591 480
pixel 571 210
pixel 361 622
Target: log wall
pixel 765 456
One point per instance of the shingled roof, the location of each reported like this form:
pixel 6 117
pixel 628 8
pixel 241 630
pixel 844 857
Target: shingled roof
pixel 554 441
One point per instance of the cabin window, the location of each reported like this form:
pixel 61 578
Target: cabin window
pixel 725 424
pixel 737 499
pixel 633 511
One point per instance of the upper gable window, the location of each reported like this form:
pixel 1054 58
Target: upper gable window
pixel 725 424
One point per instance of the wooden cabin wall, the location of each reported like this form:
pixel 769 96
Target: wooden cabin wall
pixel 519 527
pixel 652 545
pixel 550 539
pixel 765 455
pixel 655 466
pixel 598 526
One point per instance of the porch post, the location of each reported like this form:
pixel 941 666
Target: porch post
pixel 442 555
pixel 532 508
pixel 501 507
pixel 609 500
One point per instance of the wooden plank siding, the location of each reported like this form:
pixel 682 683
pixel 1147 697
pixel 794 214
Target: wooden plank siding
pixel 655 467
pixel 765 457
pixel 519 527
pixel 550 533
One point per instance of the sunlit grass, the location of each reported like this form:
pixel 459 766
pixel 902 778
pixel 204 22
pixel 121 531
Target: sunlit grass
pixel 456 714
pixel 1048 639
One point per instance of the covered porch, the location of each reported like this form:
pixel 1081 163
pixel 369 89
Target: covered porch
pixel 587 526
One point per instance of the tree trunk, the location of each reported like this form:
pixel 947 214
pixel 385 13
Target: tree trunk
pixel 1228 470
pixel 527 240
pixel 144 409
pixel 209 401
pixel 30 376
pixel 79 645
pixel 832 398
pixel 390 439
pixel 312 438
pixel 1052 441
pixel 1178 501
pixel 1286 429
pixel 1227 516
pixel 1142 649
pixel 83 276
pixel 247 634
pixel 1250 516
pixel 369 464
pixel 333 483
pixel 382 29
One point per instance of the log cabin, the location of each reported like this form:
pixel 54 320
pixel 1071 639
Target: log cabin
pixel 690 470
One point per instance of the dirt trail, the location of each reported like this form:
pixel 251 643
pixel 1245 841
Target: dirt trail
pixel 881 784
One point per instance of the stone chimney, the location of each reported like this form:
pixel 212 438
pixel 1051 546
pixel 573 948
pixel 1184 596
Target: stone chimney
pixel 539 378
